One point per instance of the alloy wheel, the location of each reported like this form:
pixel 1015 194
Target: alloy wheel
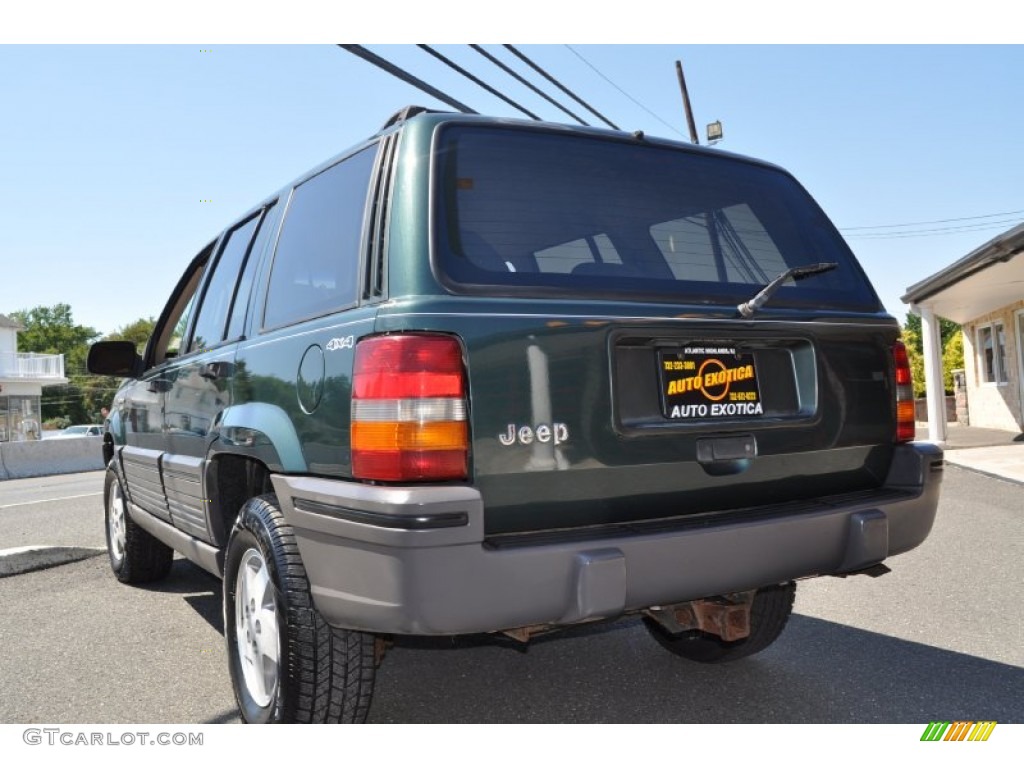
pixel 257 639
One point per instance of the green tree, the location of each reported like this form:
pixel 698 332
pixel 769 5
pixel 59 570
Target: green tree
pixel 99 391
pixel 952 359
pixel 138 332
pixel 947 330
pixel 950 340
pixel 912 341
pixel 52 330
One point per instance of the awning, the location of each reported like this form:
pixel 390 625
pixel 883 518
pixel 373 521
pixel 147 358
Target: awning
pixel 986 279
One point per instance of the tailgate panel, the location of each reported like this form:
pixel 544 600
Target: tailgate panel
pixel 568 428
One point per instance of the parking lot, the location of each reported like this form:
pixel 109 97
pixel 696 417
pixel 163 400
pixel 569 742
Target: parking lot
pixel 940 638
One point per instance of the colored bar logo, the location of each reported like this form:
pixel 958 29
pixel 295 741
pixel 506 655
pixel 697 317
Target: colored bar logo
pixel 959 731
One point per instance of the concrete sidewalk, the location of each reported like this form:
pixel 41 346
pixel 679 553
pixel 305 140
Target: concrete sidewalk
pixel 992 452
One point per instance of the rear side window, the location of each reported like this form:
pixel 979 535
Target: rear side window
pixel 268 226
pixel 213 313
pixel 541 212
pixel 316 265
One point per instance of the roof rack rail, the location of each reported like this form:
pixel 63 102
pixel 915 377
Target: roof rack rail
pixel 405 113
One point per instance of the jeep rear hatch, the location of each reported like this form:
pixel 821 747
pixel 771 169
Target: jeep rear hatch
pixel 616 381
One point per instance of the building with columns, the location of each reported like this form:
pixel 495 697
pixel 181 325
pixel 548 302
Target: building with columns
pixel 22 378
pixel 984 293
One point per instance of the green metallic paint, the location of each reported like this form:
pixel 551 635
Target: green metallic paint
pixel 602 474
pixel 408 257
pixel 267 375
pixel 270 423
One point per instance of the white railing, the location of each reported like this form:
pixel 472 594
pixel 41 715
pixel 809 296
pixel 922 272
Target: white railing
pixel 29 365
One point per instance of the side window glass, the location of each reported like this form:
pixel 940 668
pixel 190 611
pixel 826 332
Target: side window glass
pixel 316 266
pixel 213 313
pixel 180 328
pixel 174 321
pixel 268 225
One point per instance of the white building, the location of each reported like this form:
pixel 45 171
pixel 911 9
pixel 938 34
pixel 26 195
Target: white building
pixel 22 378
pixel 984 293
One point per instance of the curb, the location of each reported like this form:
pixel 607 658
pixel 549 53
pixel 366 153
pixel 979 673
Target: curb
pixel 986 473
pixel 20 560
pixel 981 468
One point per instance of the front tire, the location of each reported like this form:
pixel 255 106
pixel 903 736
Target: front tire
pixel 287 664
pixel 136 556
pixel 768 616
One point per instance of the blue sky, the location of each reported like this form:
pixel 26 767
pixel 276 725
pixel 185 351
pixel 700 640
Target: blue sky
pixel 107 152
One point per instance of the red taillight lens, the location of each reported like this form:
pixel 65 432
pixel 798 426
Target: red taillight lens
pixel 904 394
pixel 409 409
pixel 408 367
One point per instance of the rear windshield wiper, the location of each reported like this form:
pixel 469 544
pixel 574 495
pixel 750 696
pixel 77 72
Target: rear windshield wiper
pixel 748 308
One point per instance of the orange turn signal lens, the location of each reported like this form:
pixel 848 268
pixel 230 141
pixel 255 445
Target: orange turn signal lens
pixel 409 436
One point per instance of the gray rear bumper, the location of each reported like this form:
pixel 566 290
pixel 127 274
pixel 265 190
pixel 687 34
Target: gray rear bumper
pixel 413 560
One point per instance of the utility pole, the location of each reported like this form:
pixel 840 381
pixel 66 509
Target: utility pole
pixel 686 104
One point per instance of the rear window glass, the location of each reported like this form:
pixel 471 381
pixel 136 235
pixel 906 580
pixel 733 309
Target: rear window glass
pixel 537 211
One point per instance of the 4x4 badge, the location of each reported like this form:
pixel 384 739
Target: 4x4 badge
pixel 346 343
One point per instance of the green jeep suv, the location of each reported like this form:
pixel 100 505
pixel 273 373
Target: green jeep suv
pixel 479 375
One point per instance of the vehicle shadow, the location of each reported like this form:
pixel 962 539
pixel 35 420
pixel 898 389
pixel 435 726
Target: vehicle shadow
pixel 613 672
pixel 202 591
pixel 818 671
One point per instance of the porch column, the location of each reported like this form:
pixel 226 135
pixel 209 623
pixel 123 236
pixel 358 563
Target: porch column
pixel 936 393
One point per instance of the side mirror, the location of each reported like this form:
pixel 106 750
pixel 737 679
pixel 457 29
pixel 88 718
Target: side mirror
pixel 114 358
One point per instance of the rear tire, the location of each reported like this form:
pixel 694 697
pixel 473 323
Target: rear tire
pixel 287 664
pixel 768 616
pixel 136 556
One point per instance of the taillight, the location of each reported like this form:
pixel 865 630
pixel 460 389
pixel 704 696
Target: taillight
pixel 409 409
pixel 904 394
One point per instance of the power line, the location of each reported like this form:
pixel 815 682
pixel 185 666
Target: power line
pixel 933 232
pixel 401 74
pixel 407 77
pixel 620 90
pixel 509 71
pixel 529 62
pixel 473 78
pixel 935 221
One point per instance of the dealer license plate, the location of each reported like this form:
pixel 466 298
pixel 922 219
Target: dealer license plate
pixel 708 382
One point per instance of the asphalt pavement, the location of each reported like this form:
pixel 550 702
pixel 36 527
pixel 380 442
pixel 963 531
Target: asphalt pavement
pixel 939 638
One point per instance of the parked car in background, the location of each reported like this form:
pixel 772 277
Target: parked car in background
pixel 78 430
